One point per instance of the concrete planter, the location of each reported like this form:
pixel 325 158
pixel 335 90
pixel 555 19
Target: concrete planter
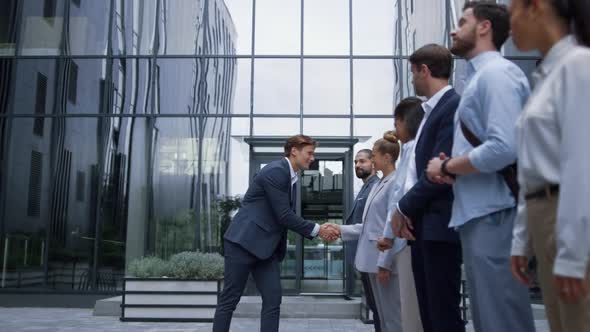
pixel 169 300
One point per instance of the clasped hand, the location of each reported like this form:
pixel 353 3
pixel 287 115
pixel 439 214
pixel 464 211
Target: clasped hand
pixel 329 232
pixel 402 226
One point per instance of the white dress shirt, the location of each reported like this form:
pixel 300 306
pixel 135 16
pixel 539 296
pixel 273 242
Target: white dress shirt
pixel 294 178
pixel 553 149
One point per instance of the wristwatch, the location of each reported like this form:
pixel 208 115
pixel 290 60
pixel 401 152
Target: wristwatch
pixel 443 169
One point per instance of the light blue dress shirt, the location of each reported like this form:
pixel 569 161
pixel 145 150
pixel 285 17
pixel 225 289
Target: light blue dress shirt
pixel 493 99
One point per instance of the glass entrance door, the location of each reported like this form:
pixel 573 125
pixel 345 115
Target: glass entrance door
pixel 322 201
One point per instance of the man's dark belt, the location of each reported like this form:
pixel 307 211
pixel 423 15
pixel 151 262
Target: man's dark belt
pixel 545 192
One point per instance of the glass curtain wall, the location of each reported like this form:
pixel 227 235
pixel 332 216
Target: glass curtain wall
pixel 122 122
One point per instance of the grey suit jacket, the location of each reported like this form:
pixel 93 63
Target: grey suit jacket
pixel 356 215
pixel 368 257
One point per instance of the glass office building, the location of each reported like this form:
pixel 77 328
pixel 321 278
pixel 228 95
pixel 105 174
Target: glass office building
pixel 123 123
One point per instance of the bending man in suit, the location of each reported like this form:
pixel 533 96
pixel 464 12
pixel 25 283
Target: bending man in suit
pixel 364 170
pixel 381 267
pixel 424 212
pixel 256 240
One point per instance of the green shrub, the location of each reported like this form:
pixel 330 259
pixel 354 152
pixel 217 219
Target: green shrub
pixel 149 267
pixel 184 265
pixel 196 265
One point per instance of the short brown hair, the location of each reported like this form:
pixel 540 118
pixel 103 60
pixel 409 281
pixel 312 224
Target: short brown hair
pixel 436 57
pixel 498 16
pixel 298 142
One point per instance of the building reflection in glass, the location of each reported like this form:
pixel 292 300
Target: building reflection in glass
pixel 91 176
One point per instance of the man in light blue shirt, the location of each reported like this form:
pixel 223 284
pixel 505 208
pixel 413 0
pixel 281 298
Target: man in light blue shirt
pixel 484 209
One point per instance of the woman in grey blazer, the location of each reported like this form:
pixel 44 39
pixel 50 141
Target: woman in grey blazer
pixel 379 265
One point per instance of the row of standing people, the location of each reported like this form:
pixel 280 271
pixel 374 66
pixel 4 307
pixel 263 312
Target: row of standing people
pixel 453 195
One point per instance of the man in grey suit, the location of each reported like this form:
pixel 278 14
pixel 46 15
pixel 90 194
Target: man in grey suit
pixel 256 240
pixel 365 171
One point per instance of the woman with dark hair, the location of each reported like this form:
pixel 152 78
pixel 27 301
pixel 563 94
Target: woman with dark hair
pixel 553 162
pixel 408 115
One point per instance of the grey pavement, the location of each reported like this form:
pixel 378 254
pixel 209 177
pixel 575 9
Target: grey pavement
pixel 82 320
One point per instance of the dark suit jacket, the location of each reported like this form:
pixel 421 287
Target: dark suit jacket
pixel 261 224
pixel 429 204
pixel 356 215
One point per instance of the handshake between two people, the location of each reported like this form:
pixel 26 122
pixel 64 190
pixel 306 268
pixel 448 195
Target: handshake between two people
pixel 329 232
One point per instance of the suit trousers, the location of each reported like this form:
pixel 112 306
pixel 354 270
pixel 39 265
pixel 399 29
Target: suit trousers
pixel 370 297
pixel 239 264
pixel 437 275
pixel 388 302
pixel 563 317
pixel 410 312
pixel 498 302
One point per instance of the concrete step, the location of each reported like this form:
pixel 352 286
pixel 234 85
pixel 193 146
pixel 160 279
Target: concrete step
pixel 249 307
pixel 304 307
pixel 292 307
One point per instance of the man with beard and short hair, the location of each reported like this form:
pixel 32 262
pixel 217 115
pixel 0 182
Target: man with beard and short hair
pixel 484 208
pixel 364 170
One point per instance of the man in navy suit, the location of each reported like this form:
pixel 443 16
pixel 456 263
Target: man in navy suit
pixel 256 240
pixel 424 212
pixel 364 170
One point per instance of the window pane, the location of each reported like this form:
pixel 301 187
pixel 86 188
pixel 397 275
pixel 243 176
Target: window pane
pixel 175 186
pixel 403 80
pixel 192 86
pixel 8 19
pixel 326 27
pixel 278 27
pixel 326 127
pixel 240 126
pixel 183 25
pixel 241 100
pixel 73 86
pixel 367 131
pixel 276 86
pixel 85 25
pixel 88 27
pixel 373 24
pixel 240 12
pixel 527 66
pixel 276 126
pixel 239 166
pixel 134 27
pixel 370 130
pixel 326 87
pixel 214 180
pixel 374 82
pixel 193 27
pixel 415 31
pixel 41 27
pixel 130 87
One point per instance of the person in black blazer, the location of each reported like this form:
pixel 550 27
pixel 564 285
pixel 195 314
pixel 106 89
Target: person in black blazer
pixel 256 240
pixel 424 212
